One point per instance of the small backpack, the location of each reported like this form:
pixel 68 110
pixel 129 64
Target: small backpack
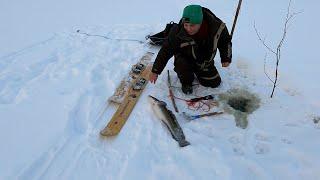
pixel 158 38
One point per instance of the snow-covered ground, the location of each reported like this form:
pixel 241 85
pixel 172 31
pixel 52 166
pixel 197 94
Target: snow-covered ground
pixel 54 84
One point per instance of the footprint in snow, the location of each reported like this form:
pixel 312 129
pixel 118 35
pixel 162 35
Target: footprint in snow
pixel 261 148
pixel 238 150
pixel 286 141
pixel 237 145
pixel 234 140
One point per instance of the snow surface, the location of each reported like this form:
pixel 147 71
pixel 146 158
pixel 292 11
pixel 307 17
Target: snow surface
pixel 54 84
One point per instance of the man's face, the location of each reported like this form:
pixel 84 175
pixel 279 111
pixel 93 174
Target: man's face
pixel 191 29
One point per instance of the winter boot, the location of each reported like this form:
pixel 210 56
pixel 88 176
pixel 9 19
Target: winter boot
pixel 187 89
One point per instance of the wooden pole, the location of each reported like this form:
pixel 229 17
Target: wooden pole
pixel 236 18
pixel 171 94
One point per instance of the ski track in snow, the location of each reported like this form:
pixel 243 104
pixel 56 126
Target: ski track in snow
pixel 144 149
pixel 11 84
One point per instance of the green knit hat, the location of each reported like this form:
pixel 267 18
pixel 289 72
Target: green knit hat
pixel 193 14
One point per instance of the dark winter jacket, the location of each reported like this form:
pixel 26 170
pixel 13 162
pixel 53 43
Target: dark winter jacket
pixel 201 50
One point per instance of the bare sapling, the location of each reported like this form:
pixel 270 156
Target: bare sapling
pixel 277 51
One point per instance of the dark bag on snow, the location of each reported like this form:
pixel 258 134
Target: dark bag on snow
pixel 158 38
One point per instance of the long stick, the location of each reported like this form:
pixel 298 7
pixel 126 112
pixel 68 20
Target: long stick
pixel 236 17
pixel 193 117
pixel 171 94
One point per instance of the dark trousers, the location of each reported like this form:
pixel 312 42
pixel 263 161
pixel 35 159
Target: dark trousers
pixel 187 68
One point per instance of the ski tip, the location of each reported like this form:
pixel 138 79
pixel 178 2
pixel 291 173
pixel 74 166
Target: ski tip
pixel 107 132
pixel 183 143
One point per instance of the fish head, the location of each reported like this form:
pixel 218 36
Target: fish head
pixel 154 101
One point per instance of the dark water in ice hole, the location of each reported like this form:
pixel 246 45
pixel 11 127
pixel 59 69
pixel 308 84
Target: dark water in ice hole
pixel 240 103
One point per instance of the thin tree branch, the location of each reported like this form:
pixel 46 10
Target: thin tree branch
pixel 263 41
pixel 277 52
pixel 289 17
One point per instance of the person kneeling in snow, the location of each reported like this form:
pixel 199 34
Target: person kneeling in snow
pixel 193 43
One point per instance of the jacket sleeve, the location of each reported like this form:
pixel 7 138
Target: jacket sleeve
pixel 166 52
pixel 225 46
